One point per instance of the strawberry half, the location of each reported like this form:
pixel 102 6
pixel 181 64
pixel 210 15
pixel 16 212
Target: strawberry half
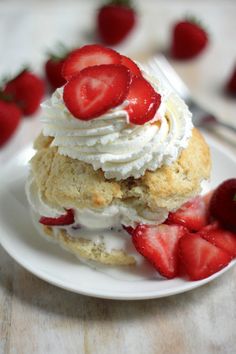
pixel 200 257
pixel 96 89
pixel 159 245
pixel 193 214
pixel 188 39
pixel 88 55
pixel 10 116
pixel 115 21
pixel 130 64
pixel 66 219
pixel 224 239
pixel 26 90
pixel 143 101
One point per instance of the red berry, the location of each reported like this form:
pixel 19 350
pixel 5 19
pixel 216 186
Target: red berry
pixel 129 229
pixel 201 258
pixel 159 245
pixel 10 116
pixel 143 101
pixel 189 39
pixel 231 84
pixel 223 203
pixel 130 64
pixel 114 23
pixel 53 70
pixel 89 55
pixel 223 239
pixel 96 89
pixel 66 219
pixel 193 214
pixel 26 90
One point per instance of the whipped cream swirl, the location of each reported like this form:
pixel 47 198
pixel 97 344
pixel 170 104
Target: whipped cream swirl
pixel 111 143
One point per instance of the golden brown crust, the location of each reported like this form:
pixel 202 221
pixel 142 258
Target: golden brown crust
pixel 42 141
pixel 167 185
pixel 71 183
pixel 67 182
pixel 89 250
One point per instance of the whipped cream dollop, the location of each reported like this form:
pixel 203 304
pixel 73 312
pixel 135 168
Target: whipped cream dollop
pixel 111 143
pixel 111 216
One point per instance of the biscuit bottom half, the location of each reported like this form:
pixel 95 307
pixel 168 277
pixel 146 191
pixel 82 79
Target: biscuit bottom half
pixel 89 250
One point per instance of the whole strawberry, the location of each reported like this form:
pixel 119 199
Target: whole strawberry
pixel 231 84
pixel 10 116
pixel 115 21
pixel 53 67
pixel 223 203
pixel 188 39
pixel 26 90
pixel 53 72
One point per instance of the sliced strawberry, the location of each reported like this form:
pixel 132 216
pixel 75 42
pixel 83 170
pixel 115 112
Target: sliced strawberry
pixel 130 64
pixel 65 219
pixel 88 55
pixel 129 229
pixel 201 258
pixel 143 101
pixel 159 245
pixel 96 89
pixel 224 239
pixel 193 214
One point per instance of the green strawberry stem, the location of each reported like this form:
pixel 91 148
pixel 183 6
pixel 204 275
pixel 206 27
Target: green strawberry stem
pixel 234 198
pixel 6 97
pixel 193 19
pixel 60 53
pixel 22 70
pixel 8 78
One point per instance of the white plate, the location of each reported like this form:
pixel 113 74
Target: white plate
pixel 48 261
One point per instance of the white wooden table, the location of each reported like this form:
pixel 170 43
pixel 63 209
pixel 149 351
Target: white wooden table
pixel 36 317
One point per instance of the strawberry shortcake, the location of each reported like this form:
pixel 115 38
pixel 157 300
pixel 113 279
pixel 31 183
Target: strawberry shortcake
pixel 119 166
